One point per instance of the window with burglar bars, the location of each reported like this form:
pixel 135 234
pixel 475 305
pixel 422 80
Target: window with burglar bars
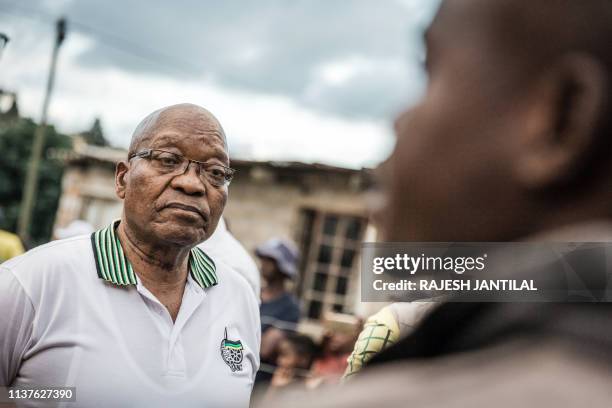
pixel 330 244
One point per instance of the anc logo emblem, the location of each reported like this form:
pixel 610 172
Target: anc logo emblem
pixel 231 352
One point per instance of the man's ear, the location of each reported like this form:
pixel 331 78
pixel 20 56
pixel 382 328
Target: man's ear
pixel 120 179
pixel 561 133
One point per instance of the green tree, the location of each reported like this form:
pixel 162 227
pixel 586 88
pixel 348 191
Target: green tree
pixel 95 136
pixel 16 138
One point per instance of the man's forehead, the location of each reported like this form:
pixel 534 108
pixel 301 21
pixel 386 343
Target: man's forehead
pixel 174 137
pixel 190 143
pixel 176 132
pixel 188 121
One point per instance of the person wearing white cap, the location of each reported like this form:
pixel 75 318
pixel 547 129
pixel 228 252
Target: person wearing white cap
pixel 278 264
pixel 279 309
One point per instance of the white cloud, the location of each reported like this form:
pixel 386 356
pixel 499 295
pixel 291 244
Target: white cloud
pixel 339 71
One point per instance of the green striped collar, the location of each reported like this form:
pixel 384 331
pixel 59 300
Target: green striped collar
pixel 114 267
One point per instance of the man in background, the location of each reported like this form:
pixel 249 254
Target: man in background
pixel 278 260
pixel 74 229
pixel 224 247
pixel 279 309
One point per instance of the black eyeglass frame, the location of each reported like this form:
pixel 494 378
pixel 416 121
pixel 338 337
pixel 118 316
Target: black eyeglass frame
pixel 148 153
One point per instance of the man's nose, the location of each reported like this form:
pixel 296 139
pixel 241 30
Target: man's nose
pixel 190 182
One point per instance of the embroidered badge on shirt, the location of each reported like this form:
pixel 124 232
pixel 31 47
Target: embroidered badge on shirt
pixel 231 352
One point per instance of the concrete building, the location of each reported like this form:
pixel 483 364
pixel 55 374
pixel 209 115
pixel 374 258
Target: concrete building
pixel 322 208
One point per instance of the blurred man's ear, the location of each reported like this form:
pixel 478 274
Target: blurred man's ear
pixel 563 115
pixel 120 181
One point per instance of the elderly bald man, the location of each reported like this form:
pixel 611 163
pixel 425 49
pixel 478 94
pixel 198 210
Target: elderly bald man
pixel 136 314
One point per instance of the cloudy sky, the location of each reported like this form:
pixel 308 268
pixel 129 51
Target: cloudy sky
pixel 307 80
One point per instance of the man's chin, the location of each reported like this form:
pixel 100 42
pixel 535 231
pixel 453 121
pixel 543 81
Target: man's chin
pixel 181 235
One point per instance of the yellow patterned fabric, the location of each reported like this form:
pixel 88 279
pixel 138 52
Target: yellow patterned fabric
pixel 379 332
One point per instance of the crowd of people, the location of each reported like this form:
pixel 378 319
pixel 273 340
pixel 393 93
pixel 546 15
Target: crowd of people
pixel 288 356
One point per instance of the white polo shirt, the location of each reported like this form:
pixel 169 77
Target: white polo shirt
pixel 73 313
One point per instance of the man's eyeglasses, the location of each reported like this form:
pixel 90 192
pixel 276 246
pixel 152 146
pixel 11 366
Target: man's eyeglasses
pixel 175 164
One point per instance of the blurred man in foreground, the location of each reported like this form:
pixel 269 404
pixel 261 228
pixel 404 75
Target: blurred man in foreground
pixel 511 141
pixel 135 314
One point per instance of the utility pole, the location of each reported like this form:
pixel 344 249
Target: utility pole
pixel 31 184
pixel 4 39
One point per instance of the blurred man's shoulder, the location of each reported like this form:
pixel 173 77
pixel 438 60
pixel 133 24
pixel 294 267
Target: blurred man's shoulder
pixel 542 374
